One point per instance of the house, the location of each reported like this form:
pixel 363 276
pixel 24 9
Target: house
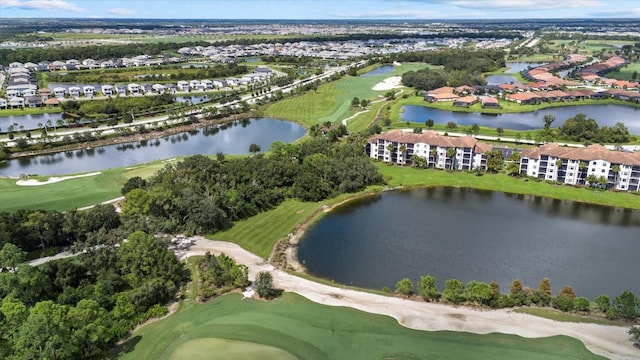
pixel 59 92
pixel 196 85
pixel 133 88
pixel 263 70
pixel 489 102
pixel 53 102
pixel 16 64
pixel 207 84
pixel 465 101
pixel 74 91
pixel 183 85
pixel 442 152
pixel 106 90
pixel 16 102
pixel 34 101
pixel 28 92
pixel 171 88
pixel 88 90
pixel 159 88
pixel 3 103
pixel 13 93
pixel 44 93
pixel 146 88
pixel 620 170
pixel 523 98
pixel 219 84
pixel 121 90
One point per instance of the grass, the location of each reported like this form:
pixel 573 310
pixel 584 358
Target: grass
pixel 259 233
pixel 29 111
pixel 558 315
pixel 72 193
pixel 332 101
pixel 412 177
pixel 625 72
pixel 312 331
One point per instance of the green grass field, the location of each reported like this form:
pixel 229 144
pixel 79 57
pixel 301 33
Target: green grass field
pixel 625 72
pixel 312 331
pixel 408 176
pixel 72 193
pixel 259 233
pixel 332 100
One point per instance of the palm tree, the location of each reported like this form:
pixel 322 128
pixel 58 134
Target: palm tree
pixel 434 154
pixel 451 152
pixel 391 148
pixel 558 165
pixel 403 152
pixel 616 171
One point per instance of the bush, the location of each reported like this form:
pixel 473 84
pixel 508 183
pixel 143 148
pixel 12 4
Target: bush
pixel 562 303
pixel 404 287
pixel 581 304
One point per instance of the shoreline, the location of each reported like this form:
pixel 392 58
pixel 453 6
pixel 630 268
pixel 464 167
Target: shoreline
pixel 610 341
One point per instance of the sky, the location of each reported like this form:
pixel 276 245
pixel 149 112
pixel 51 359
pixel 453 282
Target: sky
pixel 321 9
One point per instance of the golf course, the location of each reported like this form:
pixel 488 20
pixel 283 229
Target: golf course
pixel 294 327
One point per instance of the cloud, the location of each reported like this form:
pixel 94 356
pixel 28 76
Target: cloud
pixel 120 12
pixel 391 14
pixel 41 5
pixel 510 4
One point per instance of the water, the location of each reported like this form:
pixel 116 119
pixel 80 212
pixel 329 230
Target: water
pixel 476 235
pixel 385 69
pixel 515 67
pixel 197 99
pixel 501 79
pixel 605 115
pixel 234 140
pixel 30 122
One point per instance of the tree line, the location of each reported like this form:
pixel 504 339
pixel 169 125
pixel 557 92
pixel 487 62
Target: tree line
pixel 78 308
pixel 625 306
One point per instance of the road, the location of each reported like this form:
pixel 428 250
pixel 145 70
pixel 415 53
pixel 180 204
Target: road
pixel 108 130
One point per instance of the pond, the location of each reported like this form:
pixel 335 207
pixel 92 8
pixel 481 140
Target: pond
pixel 385 69
pixel 476 235
pixel 501 79
pixel 515 67
pixel 233 138
pixel 605 114
pixel 29 121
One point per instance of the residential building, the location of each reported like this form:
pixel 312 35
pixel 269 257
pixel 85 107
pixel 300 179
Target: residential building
pixel 399 146
pixel 573 166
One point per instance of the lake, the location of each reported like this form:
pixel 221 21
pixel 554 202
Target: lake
pixel 476 235
pixel 518 66
pixel 501 79
pixel 385 69
pixel 605 114
pixel 29 121
pixel 235 139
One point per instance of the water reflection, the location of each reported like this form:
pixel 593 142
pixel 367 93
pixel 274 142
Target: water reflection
pixel 476 235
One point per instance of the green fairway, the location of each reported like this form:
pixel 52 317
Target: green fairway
pixel 259 233
pixel 409 176
pixel 207 349
pixel 331 102
pixel 71 193
pixel 626 72
pixel 312 331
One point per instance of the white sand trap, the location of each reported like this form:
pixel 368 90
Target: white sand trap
pixel 388 83
pixel 34 182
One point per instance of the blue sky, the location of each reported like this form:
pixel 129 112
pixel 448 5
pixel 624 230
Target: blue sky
pixel 321 9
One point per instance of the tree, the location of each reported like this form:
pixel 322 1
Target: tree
pixel 616 171
pixel 453 291
pixel 451 152
pixel 429 123
pixel 45 333
pixel 355 102
pixel 603 302
pixel 264 285
pixel 11 256
pixel 403 152
pixel 581 304
pixel 475 129
pixel 548 120
pixel 626 306
pixel 452 125
pixel 254 148
pixel 364 103
pixel 390 95
pixel 478 292
pixel 427 288
pixel 634 331
pixel 404 287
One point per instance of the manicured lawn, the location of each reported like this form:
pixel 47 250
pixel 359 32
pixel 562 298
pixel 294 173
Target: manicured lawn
pixel 259 233
pixel 332 101
pixel 72 193
pixel 408 176
pixel 558 315
pixel 28 111
pixel 625 72
pixel 312 331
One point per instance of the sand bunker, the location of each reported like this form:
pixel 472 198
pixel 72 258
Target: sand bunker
pixel 388 84
pixel 34 182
